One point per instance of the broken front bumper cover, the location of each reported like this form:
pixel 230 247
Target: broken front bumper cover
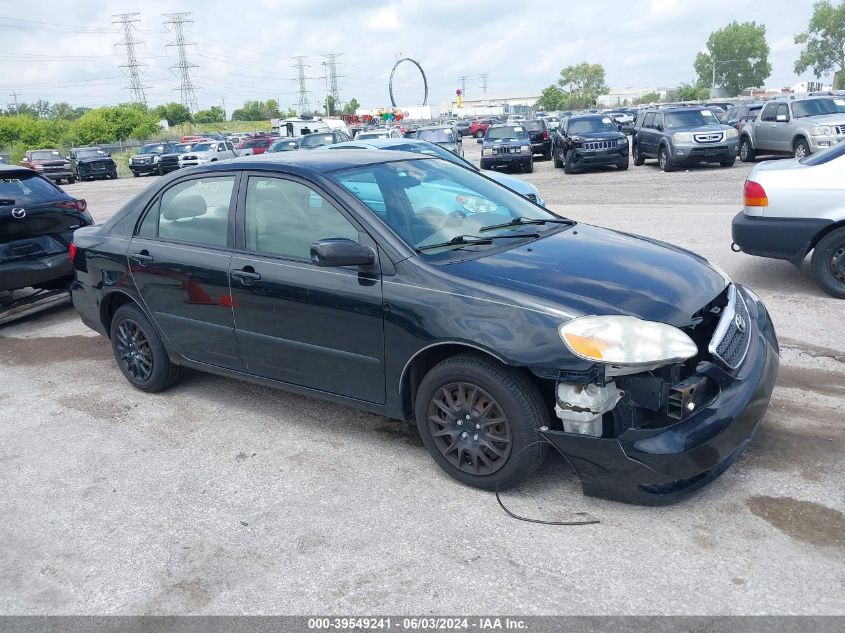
pixel 656 466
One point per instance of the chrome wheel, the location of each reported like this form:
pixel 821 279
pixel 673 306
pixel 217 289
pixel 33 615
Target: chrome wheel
pixel 469 428
pixel 801 150
pixel 133 350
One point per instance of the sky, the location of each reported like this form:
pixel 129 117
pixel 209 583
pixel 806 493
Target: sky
pixel 243 50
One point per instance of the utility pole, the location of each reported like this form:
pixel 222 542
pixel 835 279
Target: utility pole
pixel 15 96
pixel 301 78
pixel 223 99
pixel 176 23
pixel 484 86
pixel 463 80
pixel 127 23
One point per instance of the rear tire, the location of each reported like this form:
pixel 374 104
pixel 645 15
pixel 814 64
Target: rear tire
pixel 455 406
pixel 139 352
pixel 639 160
pixel 479 134
pixel 828 263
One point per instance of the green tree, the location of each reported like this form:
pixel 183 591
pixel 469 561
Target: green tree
pixel 331 106
pixel 649 97
pixel 688 92
pixel 737 58
pixel 270 110
pixel 257 111
pixel 583 83
pixel 824 43
pixel 175 113
pixel 214 114
pixel 552 98
pixel 351 107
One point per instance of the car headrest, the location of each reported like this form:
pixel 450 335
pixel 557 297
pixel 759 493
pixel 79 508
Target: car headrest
pixel 184 205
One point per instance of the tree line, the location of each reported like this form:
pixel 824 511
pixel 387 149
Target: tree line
pixel 737 58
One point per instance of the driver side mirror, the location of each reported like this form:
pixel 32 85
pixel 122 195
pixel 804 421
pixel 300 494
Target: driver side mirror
pixel 479 140
pixel 341 252
pixel 659 127
pixel 781 118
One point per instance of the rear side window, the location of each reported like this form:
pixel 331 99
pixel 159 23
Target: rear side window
pixel 769 112
pixel 195 211
pixel 284 218
pixel 24 188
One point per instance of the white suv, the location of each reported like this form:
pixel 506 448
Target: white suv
pixel 207 152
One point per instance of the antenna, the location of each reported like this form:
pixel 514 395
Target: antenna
pixel 176 23
pixel 127 23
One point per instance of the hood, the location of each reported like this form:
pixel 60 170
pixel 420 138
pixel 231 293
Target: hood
pixel 824 119
pixel 591 270
pixel 93 159
pixel 48 162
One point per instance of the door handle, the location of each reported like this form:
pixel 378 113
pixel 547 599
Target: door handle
pixel 143 257
pixel 246 275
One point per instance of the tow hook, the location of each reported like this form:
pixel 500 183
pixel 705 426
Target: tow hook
pixel 736 248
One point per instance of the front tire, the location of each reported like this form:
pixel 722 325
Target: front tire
pixel 746 151
pixel 828 263
pixel 802 149
pixel 728 163
pixel 639 160
pixel 479 134
pixel 568 168
pixel 556 158
pixel 479 419
pixel 529 168
pixel 139 352
pixel 663 159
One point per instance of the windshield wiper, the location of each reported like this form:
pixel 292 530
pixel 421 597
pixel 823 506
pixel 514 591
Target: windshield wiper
pixel 471 240
pixel 523 221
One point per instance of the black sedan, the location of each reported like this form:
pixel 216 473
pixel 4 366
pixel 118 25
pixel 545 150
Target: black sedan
pixel 421 290
pixel 37 220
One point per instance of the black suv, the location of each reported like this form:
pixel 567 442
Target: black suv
pixel 683 135
pixel 539 135
pixel 88 163
pixel 589 140
pixel 170 161
pixel 146 160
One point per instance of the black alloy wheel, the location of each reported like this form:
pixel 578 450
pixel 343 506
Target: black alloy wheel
pixel 133 351
pixel 469 428
pixel 663 159
pixel 638 158
pixel 828 263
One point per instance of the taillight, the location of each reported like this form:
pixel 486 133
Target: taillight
pixel 72 251
pixel 546 135
pixel 78 205
pixel 755 195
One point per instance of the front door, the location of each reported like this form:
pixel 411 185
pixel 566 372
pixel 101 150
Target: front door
pixel 296 322
pixel 763 127
pixel 179 260
pixel 781 131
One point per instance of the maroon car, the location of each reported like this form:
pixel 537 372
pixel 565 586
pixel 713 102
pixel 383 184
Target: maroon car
pixel 49 163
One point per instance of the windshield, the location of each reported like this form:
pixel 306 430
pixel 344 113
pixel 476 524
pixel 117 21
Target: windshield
pixel 428 202
pixel 440 135
pixel 203 147
pixel 506 131
pixel 815 107
pixel 283 146
pixel 151 149
pixel 317 140
pixel 689 118
pixel 26 189
pixel 181 148
pixel 591 124
pixel 46 154
pixel 365 135
pixel 89 153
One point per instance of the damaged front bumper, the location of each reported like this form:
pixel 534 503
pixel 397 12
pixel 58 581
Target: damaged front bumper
pixel 655 466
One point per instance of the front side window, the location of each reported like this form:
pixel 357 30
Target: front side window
pixel 649 120
pixel 283 217
pixel 195 211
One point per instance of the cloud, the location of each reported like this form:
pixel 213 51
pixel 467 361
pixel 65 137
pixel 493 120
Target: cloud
pixel 383 20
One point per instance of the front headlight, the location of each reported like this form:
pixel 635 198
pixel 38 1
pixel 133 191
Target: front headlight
pixel 821 130
pixel 626 340
pixel 486 151
pixel 621 142
pixel 732 133
pixel 683 137
pixel 156 158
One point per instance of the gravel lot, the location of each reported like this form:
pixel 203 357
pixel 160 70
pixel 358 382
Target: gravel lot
pixel 221 497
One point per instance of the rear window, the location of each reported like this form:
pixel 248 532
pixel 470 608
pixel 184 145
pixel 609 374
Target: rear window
pixel 317 140
pixel 23 188
pixel 258 142
pixel 436 136
pixel 533 126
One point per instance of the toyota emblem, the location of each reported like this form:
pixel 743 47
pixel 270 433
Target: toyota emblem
pixel 739 321
pixel 19 213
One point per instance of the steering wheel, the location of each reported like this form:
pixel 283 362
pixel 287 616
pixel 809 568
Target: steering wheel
pixel 452 219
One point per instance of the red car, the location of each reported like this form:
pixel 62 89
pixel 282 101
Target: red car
pixel 478 127
pixel 253 146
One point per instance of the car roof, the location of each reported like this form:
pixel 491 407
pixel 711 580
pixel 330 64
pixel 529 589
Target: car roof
pixel 13 168
pixel 323 162
pixel 435 127
pixel 591 115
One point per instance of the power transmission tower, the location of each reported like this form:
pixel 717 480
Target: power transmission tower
pixel 332 74
pixel 463 80
pixel 127 23
pixel 300 66
pixel 176 23
pixel 15 96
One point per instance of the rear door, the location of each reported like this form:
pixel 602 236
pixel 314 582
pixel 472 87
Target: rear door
pixel 179 260
pixel 36 217
pixel 296 322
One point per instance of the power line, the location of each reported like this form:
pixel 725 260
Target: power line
pixel 127 22
pixel 300 67
pixel 176 23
